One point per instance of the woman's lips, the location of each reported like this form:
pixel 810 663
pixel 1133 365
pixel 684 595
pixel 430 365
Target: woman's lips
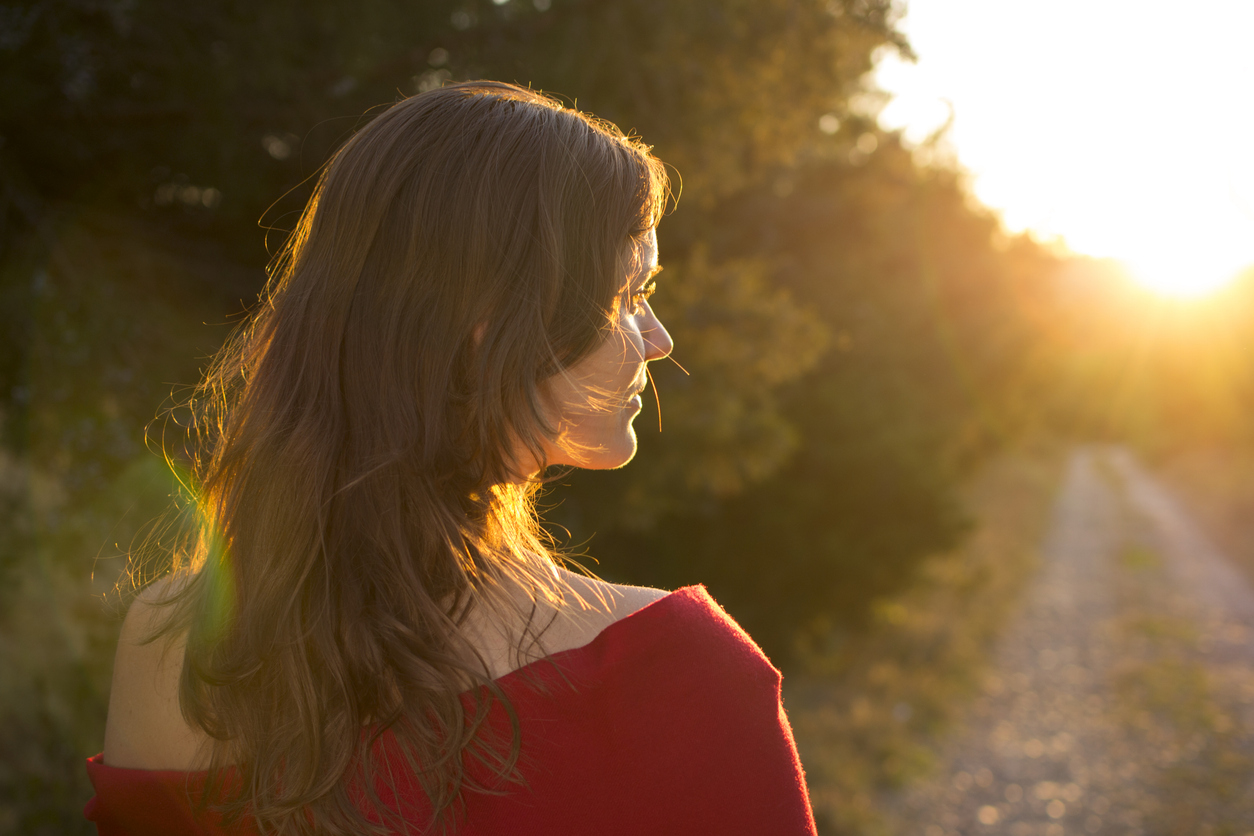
pixel 634 401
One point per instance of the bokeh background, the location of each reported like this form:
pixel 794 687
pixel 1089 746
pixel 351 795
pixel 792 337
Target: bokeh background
pixel 879 366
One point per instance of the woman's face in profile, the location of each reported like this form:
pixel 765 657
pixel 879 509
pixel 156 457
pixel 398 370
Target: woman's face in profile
pixel 595 401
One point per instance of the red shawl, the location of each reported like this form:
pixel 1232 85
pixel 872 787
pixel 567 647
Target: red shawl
pixel 668 722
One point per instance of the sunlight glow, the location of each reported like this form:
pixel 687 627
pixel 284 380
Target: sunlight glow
pixel 1122 130
pixel 1185 277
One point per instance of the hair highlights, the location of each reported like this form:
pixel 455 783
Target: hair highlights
pixel 359 440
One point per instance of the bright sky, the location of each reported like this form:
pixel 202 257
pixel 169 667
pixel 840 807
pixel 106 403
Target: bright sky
pixel 1124 126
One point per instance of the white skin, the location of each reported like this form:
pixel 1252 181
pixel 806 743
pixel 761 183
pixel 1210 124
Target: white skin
pixel 596 400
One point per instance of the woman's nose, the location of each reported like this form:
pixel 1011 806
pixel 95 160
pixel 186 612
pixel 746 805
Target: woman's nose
pixel 657 342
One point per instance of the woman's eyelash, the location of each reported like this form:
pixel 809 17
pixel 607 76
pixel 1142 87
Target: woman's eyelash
pixel 642 294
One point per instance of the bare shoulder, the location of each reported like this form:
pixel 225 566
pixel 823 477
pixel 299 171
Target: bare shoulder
pixel 604 602
pixel 145 728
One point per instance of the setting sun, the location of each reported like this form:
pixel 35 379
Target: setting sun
pixel 1086 134
pixel 1185 277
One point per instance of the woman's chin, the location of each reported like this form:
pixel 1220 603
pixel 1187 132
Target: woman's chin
pixel 621 460
pixel 608 456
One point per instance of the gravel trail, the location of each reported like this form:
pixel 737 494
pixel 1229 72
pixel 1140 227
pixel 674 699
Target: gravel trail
pixel 1121 698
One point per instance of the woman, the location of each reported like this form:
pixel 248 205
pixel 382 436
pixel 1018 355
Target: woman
pixel 368 633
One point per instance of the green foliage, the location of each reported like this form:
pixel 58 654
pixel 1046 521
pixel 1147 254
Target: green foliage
pixel 115 319
pixel 113 100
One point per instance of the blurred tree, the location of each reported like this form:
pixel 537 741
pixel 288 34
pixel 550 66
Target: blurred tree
pixel 929 311
pixel 195 118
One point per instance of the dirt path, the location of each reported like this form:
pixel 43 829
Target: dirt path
pixel 1122 697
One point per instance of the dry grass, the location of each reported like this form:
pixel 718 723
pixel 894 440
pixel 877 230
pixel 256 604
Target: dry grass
pixel 1185 710
pixel 871 708
pixel 1217 485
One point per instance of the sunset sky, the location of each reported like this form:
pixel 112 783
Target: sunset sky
pixel 1126 128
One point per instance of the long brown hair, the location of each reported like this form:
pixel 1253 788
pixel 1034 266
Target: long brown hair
pixel 359 439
